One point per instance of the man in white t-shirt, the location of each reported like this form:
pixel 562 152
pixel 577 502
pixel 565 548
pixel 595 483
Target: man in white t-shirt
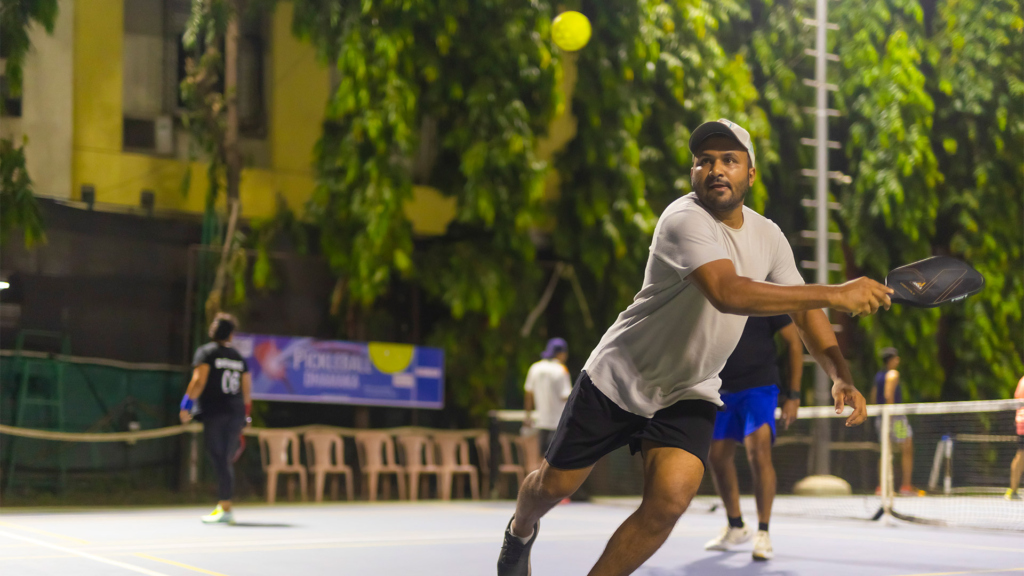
pixel 652 382
pixel 547 388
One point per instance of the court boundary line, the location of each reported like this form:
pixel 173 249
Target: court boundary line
pixel 42 532
pixel 124 565
pixel 986 571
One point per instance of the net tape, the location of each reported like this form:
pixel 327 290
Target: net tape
pixel 196 428
pixel 808 412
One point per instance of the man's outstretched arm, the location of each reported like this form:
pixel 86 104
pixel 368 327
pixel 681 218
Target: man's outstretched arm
pixel 734 294
pixel 816 332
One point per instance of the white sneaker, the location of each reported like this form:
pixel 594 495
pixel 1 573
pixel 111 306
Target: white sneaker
pixel 219 516
pixel 763 546
pixel 729 537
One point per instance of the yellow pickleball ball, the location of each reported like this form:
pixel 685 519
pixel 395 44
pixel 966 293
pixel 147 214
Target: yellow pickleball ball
pixel 570 31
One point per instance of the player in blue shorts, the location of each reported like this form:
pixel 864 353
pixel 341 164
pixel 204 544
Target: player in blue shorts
pixel 750 392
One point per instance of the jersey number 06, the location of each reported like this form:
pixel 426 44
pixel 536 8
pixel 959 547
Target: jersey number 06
pixel 230 382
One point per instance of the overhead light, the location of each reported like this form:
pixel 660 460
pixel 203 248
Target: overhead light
pixel 4 285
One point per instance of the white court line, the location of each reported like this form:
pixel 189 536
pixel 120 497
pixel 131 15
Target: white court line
pixel 43 532
pixel 131 567
pixel 1000 570
pixel 394 538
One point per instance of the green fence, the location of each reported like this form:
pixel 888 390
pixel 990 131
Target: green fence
pixel 68 394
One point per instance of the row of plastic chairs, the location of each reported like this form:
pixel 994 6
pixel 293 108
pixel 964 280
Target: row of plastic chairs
pixel 443 454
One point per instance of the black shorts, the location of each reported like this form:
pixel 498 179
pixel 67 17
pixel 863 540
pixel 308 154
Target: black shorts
pixel 592 426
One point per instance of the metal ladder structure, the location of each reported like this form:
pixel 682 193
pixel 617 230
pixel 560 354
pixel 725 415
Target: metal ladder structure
pixel 40 400
pixel 821 449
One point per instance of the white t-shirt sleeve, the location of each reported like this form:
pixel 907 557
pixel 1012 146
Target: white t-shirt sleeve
pixel 686 241
pixel 784 270
pixel 531 378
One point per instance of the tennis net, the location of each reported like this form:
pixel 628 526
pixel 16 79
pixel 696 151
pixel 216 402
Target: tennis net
pixel 958 476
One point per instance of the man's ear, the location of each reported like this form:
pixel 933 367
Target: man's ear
pixel 751 173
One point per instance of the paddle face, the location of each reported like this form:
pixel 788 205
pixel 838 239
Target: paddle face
pixel 934 281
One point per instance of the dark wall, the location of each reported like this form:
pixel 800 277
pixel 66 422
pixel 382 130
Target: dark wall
pixel 117 283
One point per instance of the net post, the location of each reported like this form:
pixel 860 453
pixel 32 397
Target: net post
pixel 493 429
pixel 885 471
pixel 940 454
pixel 947 482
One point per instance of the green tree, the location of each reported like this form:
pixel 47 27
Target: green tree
pixel 210 95
pixel 654 71
pixel 16 17
pixel 889 211
pixel 487 77
pixel 484 76
pixel 18 206
pixel 978 86
pixel 928 96
pixel 441 95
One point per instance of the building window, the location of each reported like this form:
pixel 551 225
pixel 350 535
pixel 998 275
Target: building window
pixel 11 105
pixel 252 120
pixel 154 67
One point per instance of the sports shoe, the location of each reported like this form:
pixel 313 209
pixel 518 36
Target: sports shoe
pixel 908 491
pixel 763 546
pixel 729 537
pixel 219 516
pixel 1012 494
pixel 514 559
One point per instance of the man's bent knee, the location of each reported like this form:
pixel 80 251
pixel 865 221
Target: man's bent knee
pixel 664 510
pixel 552 484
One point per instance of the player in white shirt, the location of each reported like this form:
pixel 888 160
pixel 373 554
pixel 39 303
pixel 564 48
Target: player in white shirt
pixel 652 382
pixel 547 388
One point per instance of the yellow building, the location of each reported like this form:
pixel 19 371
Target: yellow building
pixel 102 115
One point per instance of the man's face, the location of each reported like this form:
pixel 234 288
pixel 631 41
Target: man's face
pixel 721 173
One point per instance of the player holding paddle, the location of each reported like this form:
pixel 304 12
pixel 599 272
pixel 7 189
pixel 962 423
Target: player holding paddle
pixel 652 382
pixel 222 387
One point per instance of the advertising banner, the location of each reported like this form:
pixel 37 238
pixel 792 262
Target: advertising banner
pixel 336 372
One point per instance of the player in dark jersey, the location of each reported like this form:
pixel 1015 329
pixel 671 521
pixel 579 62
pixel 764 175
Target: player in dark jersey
pixel 750 391
pixel 888 389
pixel 221 389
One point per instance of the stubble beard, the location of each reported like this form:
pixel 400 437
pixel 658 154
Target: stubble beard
pixel 722 204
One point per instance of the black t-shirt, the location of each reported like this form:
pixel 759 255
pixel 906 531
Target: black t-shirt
pixel 223 391
pixel 754 361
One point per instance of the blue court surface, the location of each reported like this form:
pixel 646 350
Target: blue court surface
pixel 463 538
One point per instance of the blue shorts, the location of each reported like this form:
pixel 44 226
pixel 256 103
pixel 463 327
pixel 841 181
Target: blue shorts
pixel 746 411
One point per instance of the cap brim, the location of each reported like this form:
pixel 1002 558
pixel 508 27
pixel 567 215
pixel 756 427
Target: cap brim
pixel 709 129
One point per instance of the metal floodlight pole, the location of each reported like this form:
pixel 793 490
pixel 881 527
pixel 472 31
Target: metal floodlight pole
pixel 822 385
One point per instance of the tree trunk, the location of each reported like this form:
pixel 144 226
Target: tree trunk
pixel 232 158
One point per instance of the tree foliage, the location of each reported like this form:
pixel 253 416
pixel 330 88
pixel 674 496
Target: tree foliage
pixel 977 55
pixel 889 211
pixel 487 77
pixel 456 95
pixel 18 206
pixel 654 71
pixel 928 96
pixel 16 18
pixel 484 75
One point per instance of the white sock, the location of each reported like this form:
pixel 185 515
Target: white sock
pixel 523 539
